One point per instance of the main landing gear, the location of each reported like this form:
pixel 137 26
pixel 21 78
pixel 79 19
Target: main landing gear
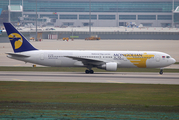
pixel 89 71
pixel 161 71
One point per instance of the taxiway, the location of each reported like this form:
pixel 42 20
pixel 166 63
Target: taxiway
pixel 107 77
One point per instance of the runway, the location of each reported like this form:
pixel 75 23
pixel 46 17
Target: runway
pixel 101 77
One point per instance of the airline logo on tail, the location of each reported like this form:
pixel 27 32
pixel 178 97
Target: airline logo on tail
pixel 16 40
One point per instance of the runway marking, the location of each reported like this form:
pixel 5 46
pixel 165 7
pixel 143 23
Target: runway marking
pixel 19 80
pixel 114 81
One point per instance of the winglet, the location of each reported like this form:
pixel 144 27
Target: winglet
pixel 18 41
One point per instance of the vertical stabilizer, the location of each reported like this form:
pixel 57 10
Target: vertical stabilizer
pixel 18 41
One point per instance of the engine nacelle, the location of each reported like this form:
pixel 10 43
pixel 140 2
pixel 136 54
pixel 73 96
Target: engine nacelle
pixel 111 66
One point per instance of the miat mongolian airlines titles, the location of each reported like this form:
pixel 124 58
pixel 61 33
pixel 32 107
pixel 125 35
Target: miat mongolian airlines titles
pixel 108 60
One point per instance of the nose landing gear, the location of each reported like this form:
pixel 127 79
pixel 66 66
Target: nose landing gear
pixel 161 71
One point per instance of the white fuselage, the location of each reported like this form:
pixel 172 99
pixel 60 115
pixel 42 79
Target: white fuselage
pixel 89 59
pixel 108 60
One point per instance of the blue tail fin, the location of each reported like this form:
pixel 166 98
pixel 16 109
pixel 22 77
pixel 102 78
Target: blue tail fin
pixel 18 41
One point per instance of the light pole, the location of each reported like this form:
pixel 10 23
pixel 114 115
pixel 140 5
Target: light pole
pixel 22 8
pixel 90 18
pixel 36 21
pixel 117 15
pixel 173 14
pixel 9 10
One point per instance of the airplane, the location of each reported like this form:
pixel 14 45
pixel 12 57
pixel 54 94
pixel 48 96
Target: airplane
pixel 108 60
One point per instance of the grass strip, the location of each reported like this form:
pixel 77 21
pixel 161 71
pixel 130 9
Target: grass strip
pixel 78 69
pixel 89 93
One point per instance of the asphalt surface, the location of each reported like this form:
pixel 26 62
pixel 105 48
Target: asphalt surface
pixel 107 77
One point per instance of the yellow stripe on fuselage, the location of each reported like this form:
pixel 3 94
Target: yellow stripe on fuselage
pixel 138 60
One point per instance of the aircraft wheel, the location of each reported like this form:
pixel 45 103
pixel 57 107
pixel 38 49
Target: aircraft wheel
pixel 91 71
pixel 161 72
pixel 87 71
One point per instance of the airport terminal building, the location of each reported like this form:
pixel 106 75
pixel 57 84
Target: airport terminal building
pixel 103 13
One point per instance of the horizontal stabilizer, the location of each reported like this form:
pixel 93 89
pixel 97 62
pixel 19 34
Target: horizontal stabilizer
pixel 17 55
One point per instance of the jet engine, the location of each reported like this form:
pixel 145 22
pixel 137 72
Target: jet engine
pixel 110 66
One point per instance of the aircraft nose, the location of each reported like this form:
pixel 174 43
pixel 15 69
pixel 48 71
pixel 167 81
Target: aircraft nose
pixel 173 60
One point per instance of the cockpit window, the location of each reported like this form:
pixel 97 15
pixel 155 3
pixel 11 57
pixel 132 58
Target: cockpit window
pixel 168 57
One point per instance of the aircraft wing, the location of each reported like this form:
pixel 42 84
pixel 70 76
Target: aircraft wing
pixel 88 61
pixel 17 55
